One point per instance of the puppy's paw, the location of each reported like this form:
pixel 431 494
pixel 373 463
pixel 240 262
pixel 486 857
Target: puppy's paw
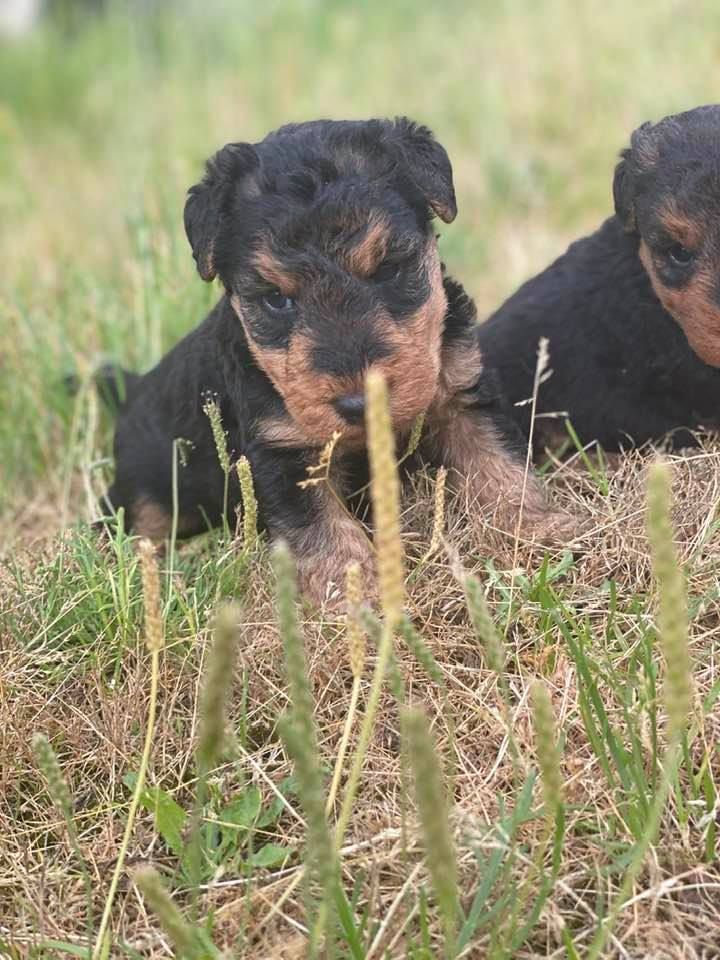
pixel 539 523
pixel 554 528
pixel 321 577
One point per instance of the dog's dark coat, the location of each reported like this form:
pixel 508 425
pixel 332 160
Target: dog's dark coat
pixel 322 237
pixel 633 330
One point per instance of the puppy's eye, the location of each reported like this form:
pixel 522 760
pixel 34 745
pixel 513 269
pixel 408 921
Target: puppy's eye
pixel 680 256
pixel 387 272
pixel 277 302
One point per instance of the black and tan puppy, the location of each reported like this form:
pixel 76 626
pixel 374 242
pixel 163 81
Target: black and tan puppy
pixel 322 238
pixel 632 312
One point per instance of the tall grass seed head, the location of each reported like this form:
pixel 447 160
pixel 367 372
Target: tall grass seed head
pixel 48 763
pixel 546 746
pixel 249 502
pixel 385 493
pixel 673 613
pixel 355 631
pixel 217 685
pixel 482 621
pixel 211 409
pixel 294 649
pixel 168 913
pixel 154 630
pixel 433 810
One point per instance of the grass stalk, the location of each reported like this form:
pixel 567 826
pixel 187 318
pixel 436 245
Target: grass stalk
pixel 546 746
pixel 673 636
pixel 154 639
pixel 355 638
pixel 672 597
pixel 215 693
pixel 187 940
pixel 175 520
pixel 438 516
pixel 249 503
pixel 385 493
pixel 59 792
pixel 298 732
pixel 493 645
pixel 538 880
pixel 211 409
pixel 432 806
pixel 543 358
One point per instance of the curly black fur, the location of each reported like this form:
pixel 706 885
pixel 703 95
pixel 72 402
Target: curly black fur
pixel 625 369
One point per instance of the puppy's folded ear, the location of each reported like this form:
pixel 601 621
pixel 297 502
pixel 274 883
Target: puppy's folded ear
pixel 426 164
pixel 638 157
pixel 623 192
pixel 206 201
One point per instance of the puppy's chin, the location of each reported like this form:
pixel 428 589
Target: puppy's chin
pixel 317 426
pixel 354 437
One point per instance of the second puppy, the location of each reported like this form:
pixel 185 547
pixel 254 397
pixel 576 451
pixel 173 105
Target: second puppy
pixel 632 313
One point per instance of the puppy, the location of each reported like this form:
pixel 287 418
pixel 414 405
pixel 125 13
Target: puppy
pixel 632 312
pixel 322 238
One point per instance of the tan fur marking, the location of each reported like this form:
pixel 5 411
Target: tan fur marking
pixel 364 258
pixel 491 476
pixel 461 367
pixel 273 362
pixel 692 308
pixel 493 479
pixel 282 432
pixel 411 371
pixel 683 230
pixel 308 395
pixel 327 547
pixel 151 520
pixel 271 270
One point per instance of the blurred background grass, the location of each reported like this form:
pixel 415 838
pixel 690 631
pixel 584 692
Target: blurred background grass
pixel 106 119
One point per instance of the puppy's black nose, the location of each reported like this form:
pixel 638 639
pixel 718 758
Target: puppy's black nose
pixel 351 407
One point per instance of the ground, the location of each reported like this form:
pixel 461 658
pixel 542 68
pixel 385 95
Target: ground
pixel 103 126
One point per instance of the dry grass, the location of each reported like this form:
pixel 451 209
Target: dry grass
pixel 96 723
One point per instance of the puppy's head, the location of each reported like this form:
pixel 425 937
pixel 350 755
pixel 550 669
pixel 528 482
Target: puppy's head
pixel 667 190
pixel 321 235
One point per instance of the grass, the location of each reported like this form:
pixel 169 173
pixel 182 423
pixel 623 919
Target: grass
pixel 533 101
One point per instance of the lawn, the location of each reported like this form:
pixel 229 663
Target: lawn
pixel 487 825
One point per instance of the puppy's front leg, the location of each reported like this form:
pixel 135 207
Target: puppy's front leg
pixel 323 537
pixel 470 441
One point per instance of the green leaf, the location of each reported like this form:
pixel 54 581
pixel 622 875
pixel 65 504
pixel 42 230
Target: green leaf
pixel 272 813
pixel 570 951
pixel 168 815
pixel 242 812
pixel 270 855
pixel 61 947
pixel 478 914
pixel 348 924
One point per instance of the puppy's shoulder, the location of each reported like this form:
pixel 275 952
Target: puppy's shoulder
pixel 191 368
